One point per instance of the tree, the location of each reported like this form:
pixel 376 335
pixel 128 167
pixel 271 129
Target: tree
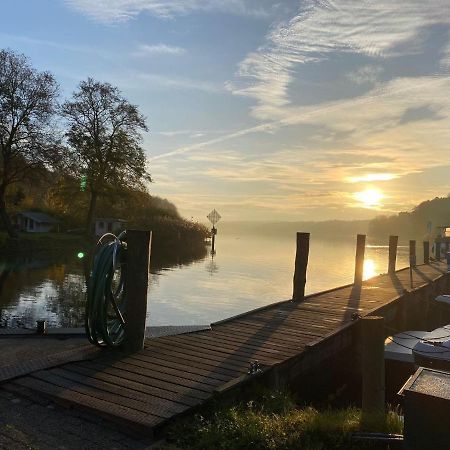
pixel 28 141
pixel 104 137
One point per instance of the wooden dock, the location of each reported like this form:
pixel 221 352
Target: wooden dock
pixel 173 374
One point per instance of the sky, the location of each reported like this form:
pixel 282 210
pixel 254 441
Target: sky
pixel 265 110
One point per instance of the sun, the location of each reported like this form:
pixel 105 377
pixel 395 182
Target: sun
pixel 370 198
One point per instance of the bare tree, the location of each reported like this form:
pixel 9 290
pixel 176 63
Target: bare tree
pixel 27 139
pixel 104 137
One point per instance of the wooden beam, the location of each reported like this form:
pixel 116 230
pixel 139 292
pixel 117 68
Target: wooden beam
pixel 412 253
pixel 301 264
pixel 393 243
pixel 373 384
pixel 359 258
pixel 136 285
pixel 426 252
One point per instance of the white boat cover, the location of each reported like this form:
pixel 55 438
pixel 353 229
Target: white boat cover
pixel 400 346
pixel 443 299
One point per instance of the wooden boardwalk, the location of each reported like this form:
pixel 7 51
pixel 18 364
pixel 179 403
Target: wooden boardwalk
pixel 175 373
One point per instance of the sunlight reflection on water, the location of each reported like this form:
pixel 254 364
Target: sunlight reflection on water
pixel 246 273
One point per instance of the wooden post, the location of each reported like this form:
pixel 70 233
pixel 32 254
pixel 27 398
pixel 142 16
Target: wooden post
pixel 213 240
pixel 426 252
pixel 373 388
pixel 136 285
pixel 359 258
pixel 301 264
pixel 412 254
pixel 437 248
pixel 393 243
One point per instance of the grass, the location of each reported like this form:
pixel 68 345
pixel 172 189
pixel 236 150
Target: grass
pixel 274 422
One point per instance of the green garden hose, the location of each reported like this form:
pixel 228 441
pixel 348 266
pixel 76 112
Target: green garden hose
pixel 105 303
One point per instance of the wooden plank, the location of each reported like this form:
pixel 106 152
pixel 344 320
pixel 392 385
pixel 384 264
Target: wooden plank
pixel 233 348
pixel 260 331
pixel 145 377
pixel 99 390
pixel 153 405
pixel 250 342
pixel 163 350
pixel 165 370
pixel 182 367
pixel 197 362
pixel 240 355
pixel 116 413
pixel 230 363
pixel 268 330
pixel 233 341
pixel 120 381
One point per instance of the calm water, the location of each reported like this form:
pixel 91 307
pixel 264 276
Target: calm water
pixel 245 273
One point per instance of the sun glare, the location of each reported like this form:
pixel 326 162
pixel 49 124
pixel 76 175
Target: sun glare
pixel 369 269
pixel 370 198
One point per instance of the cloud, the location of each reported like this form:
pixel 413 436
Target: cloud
pixel 323 29
pixel 365 74
pixel 158 49
pixel 110 11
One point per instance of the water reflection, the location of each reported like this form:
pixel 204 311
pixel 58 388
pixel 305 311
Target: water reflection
pixel 194 288
pixel 369 269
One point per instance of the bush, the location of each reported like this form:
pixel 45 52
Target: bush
pixel 272 422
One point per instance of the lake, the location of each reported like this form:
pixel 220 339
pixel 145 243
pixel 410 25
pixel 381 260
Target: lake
pixel 245 273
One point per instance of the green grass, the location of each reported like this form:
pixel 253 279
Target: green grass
pixel 273 422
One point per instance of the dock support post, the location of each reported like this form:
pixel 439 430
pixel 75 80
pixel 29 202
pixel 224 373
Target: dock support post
pixel 393 243
pixel 373 387
pixel 437 248
pixel 412 253
pixel 359 259
pixel 136 285
pixel 412 261
pixel 426 252
pixel 301 264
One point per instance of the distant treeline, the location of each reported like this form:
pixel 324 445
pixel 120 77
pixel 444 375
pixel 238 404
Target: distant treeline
pixel 330 229
pixel 413 224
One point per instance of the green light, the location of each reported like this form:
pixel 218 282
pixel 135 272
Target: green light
pixel 83 183
pixel 80 255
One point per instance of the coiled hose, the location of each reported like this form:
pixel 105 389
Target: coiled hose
pixel 105 305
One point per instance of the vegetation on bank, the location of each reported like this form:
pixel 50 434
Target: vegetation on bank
pixel 77 159
pixel 273 421
pixel 413 224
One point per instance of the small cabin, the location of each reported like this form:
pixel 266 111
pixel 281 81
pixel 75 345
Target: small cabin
pixel 35 222
pixel 108 225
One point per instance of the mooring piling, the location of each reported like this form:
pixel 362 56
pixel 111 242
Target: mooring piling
pixel 373 382
pixel 426 252
pixel 412 253
pixel 437 248
pixel 393 243
pixel 301 265
pixel 136 285
pixel 359 259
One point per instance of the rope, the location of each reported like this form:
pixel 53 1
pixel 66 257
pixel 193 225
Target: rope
pixel 105 303
pixel 419 351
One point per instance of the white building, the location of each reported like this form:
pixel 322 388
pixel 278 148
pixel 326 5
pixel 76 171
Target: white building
pixel 108 225
pixel 35 222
